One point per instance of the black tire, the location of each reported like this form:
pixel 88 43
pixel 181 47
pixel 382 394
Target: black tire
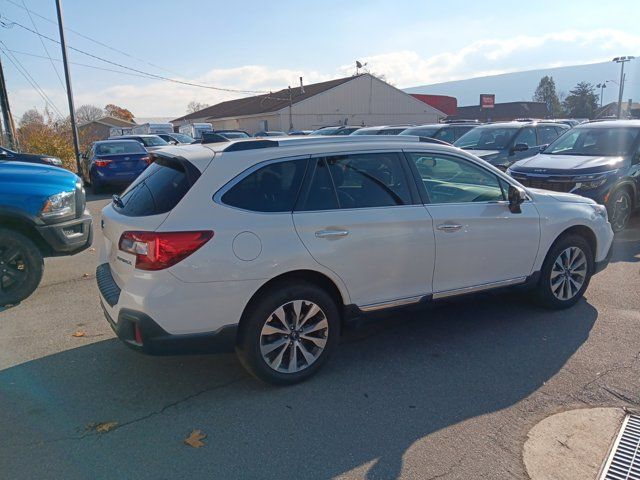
pixel 544 288
pixel 96 188
pixel 21 267
pixel 260 312
pixel 619 209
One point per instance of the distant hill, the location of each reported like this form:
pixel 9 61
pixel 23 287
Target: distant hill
pixel 520 86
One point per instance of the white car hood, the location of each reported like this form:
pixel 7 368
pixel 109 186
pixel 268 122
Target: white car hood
pixel 542 195
pixel 566 162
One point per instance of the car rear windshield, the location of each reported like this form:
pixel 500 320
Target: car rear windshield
pixel 153 141
pixel 119 148
pixel 606 142
pixel 487 138
pixel 158 189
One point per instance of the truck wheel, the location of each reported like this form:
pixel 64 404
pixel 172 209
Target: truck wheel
pixel 566 272
pixel 288 334
pixel 619 209
pixel 21 267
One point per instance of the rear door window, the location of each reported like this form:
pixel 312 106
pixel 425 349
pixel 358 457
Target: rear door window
pixel 445 134
pixel 158 189
pixel 272 188
pixel 527 136
pixel 369 180
pixel 320 193
pixel 547 134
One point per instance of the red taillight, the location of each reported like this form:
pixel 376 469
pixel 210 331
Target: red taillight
pixel 158 250
pixel 137 333
pixel 147 160
pixel 102 163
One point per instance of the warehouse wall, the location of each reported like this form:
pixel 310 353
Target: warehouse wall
pixel 364 100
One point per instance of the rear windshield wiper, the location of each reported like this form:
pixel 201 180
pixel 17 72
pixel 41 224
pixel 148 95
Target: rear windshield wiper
pixel 117 201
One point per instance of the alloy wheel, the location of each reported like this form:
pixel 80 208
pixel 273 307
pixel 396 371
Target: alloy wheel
pixel 568 273
pixel 621 212
pixel 13 269
pixel 294 336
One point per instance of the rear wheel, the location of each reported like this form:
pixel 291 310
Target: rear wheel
pixel 21 267
pixel 566 272
pixel 619 209
pixel 96 187
pixel 288 334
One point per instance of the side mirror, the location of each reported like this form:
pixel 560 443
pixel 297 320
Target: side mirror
pixel 4 155
pixel 520 147
pixel 543 147
pixel 173 142
pixel 516 197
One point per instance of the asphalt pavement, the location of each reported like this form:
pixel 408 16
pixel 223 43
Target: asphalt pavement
pixel 449 391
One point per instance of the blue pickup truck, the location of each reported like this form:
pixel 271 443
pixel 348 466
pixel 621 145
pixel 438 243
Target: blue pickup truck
pixel 42 214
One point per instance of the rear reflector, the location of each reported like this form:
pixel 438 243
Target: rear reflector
pixel 160 250
pixel 102 163
pixel 138 334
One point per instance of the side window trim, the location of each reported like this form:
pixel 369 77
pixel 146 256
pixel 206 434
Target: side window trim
pixel 217 197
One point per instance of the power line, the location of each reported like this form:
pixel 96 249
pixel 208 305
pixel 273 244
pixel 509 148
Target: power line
pixel 97 42
pixel 23 71
pixel 55 70
pixel 28 54
pixel 153 75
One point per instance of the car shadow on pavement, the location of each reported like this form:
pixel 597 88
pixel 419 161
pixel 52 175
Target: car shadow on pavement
pixel 392 383
pixel 626 244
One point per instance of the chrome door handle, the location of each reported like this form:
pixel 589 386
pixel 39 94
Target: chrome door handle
pixel 449 227
pixel 331 233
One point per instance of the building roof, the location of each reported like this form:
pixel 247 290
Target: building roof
pixel 266 103
pixel 109 121
pixel 508 110
pixel 143 120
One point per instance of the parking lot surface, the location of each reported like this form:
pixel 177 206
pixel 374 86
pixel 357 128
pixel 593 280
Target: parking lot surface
pixel 449 391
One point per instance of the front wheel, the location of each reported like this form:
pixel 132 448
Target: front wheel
pixel 566 272
pixel 619 209
pixel 289 333
pixel 21 267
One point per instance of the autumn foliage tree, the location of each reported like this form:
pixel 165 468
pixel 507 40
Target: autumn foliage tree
pixel 43 133
pixel 118 112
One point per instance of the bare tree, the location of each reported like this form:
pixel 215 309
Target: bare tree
pixel 194 106
pixel 30 117
pixel 88 113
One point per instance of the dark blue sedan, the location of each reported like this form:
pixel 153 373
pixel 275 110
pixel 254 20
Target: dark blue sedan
pixel 113 163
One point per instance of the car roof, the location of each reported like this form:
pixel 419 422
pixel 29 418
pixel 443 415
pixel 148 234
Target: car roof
pixel 135 136
pixel 609 124
pixel 109 140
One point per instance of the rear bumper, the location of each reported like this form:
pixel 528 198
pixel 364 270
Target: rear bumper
pixel 152 339
pixel 69 237
pixel 142 333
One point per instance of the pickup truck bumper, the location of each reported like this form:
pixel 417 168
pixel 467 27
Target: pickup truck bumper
pixel 68 237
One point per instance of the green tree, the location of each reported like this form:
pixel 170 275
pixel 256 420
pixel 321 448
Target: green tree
pixel 582 101
pixel 546 93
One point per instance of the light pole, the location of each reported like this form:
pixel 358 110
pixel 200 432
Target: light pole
pixel 602 86
pixel 621 61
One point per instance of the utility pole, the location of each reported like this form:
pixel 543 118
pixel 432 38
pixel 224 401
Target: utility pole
pixel 6 112
pixel 72 110
pixel 602 86
pixel 621 61
pixel 290 109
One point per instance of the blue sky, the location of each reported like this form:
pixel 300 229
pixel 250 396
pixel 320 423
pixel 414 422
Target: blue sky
pixel 253 45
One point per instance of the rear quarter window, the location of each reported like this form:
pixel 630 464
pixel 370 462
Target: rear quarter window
pixel 158 189
pixel 272 188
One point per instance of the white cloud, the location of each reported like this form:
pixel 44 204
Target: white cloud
pixel 403 68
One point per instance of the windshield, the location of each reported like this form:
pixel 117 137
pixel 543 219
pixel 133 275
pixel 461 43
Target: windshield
pixel 421 131
pixel 606 142
pixel 326 131
pixel 119 148
pixel 487 138
pixel 182 138
pixel 153 141
pixel 233 134
pixel 366 131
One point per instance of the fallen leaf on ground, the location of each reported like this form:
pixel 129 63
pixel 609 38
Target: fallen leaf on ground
pixel 102 427
pixel 195 439
pixel 92 249
pixel 79 333
pixel 85 275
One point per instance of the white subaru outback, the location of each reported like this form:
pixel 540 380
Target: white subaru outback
pixel 269 246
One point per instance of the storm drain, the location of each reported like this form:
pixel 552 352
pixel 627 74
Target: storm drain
pixel 624 461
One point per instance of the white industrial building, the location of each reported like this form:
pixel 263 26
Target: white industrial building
pixel 358 100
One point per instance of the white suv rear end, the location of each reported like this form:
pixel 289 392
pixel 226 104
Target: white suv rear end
pixel 268 246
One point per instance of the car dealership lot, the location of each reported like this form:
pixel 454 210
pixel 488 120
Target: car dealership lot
pixel 449 391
